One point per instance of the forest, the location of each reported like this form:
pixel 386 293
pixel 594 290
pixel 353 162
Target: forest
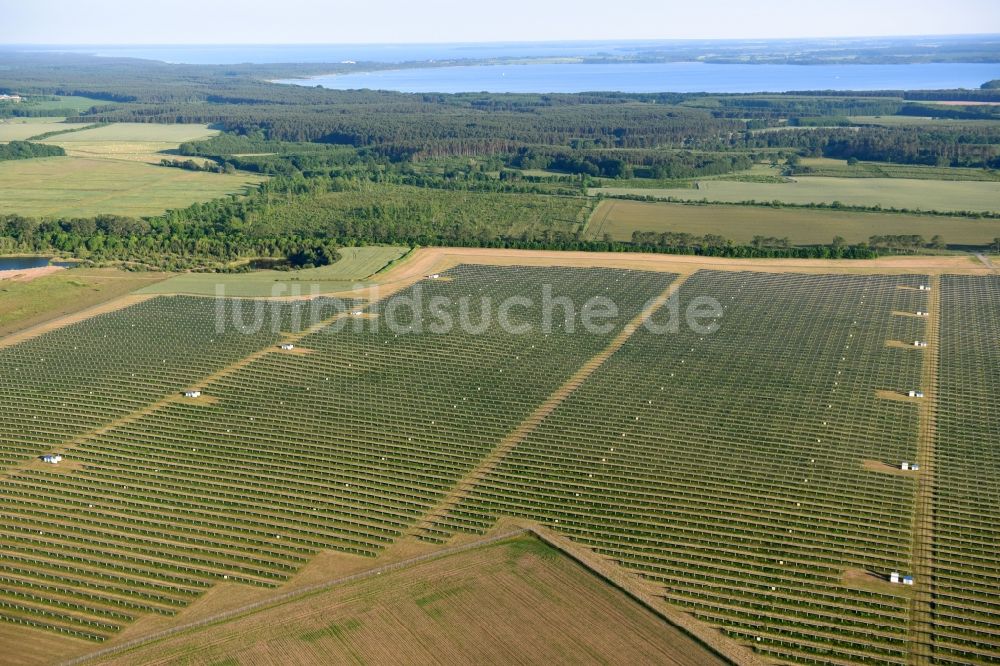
pixel 23 150
pixel 357 167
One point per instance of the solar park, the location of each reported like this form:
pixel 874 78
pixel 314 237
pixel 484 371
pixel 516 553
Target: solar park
pixel 749 476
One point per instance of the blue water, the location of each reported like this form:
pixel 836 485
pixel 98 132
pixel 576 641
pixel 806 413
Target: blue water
pixel 664 77
pixel 20 263
pixel 230 54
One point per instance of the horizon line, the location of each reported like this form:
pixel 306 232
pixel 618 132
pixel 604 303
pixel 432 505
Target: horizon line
pixel 509 41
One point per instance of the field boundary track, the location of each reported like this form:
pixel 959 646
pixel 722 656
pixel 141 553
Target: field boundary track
pixel 73 318
pixel 486 466
pixel 436 259
pixel 921 633
pixel 986 261
pixel 598 232
pixel 636 589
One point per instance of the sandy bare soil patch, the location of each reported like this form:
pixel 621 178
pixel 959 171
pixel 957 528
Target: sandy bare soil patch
pixel 961 103
pixel 897 395
pixel 34 646
pixel 297 350
pixel 426 261
pixel 200 400
pixel 866 580
pixel 899 344
pixel 884 468
pixel 29 274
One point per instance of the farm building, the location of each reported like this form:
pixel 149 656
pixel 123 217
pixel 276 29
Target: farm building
pixel 356 313
pixel 894 577
pixel 908 580
pixel 914 467
pixel 52 458
pixel 925 287
pixel 921 313
pixel 916 394
pixel 192 394
pixel 10 98
pixel 919 343
pixel 434 276
pixel 288 346
pixel 905 466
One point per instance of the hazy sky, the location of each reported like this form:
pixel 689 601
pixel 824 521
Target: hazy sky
pixel 360 21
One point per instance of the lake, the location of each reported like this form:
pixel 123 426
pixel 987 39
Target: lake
pixel 663 77
pixel 229 54
pixel 21 263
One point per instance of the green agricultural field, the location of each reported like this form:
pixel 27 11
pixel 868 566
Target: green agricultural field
pixel 824 166
pixel 356 264
pixel 920 121
pixel 24 304
pixel 758 171
pixel 76 186
pixel 111 169
pixel 20 129
pixel 619 218
pixel 914 194
pixel 63 105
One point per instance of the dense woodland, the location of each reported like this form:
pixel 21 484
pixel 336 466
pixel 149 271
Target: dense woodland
pixel 23 150
pixel 968 146
pixel 511 170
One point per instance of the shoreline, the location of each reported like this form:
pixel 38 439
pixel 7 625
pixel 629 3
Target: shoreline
pixel 29 274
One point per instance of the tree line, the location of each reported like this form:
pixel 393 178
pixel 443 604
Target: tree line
pixel 23 150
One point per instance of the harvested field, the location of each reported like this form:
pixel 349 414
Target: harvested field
pixel 139 142
pixel 174 134
pixel 963 103
pixel 496 604
pixel 21 129
pixel 906 121
pixel 912 194
pixel 619 218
